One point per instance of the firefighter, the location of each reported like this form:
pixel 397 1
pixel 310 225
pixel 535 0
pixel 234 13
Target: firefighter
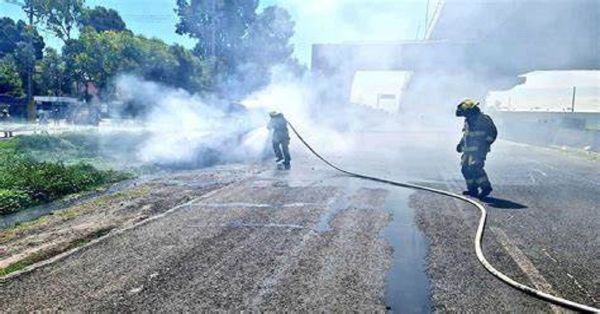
pixel 280 139
pixel 479 133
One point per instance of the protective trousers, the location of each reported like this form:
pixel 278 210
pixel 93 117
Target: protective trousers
pixel 282 151
pixel 473 172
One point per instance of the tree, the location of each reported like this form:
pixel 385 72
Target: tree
pixel 61 16
pixel 268 40
pixel 97 57
pixel 266 45
pixel 191 73
pixel 219 25
pixel 50 78
pixel 244 45
pixel 14 33
pixel 10 82
pixel 103 19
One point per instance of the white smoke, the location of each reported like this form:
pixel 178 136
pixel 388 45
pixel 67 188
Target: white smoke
pixel 184 128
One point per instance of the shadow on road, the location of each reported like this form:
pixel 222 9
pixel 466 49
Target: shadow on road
pixel 502 203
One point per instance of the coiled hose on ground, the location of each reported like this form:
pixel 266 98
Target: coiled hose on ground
pixel 478 235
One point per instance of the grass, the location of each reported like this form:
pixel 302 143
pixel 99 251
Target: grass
pixel 47 254
pixel 42 168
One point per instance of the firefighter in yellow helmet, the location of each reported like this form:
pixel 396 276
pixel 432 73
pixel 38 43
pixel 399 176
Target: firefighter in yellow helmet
pixel 479 133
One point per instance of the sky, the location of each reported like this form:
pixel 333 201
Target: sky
pixel 335 21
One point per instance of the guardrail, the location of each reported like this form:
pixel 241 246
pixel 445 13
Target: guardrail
pixel 579 130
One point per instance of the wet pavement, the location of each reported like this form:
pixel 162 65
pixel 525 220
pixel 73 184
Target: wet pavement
pixel 312 239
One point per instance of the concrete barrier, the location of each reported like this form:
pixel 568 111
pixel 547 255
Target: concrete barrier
pixel 579 130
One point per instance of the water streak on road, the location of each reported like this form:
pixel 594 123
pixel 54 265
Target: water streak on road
pixel 407 286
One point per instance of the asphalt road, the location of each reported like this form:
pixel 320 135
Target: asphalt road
pixel 310 239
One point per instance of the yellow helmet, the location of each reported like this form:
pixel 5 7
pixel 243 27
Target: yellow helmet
pixel 468 104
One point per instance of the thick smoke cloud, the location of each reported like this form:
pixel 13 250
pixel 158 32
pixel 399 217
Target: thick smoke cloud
pixel 186 129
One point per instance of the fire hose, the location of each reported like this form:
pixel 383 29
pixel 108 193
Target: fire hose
pixel 478 235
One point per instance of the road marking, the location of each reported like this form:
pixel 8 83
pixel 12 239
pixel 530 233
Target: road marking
pixel 540 172
pixel 525 265
pixel 269 225
pixel 579 286
pixel 269 282
pixel 240 204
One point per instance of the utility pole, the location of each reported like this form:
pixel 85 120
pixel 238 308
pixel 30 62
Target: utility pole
pixel 31 110
pixel 573 99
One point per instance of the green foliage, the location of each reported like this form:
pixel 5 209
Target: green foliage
pixel 11 201
pixel 245 44
pixel 50 77
pixel 102 19
pixel 25 181
pixel 236 49
pixel 19 48
pixel 61 16
pixel 12 33
pixel 10 82
pixel 219 25
pixel 98 56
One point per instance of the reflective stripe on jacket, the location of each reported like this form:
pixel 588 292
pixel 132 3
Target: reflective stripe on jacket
pixel 479 133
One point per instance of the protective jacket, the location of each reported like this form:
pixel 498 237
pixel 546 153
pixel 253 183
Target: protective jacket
pixel 479 133
pixel 278 124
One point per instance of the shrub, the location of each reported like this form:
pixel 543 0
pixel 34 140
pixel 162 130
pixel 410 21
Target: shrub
pixel 44 181
pixel 12 201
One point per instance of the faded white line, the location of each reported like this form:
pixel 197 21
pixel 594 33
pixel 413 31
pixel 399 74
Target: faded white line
pixel 525 265
pixel 255 205
pixel 540 172
pixel 220 205
pixel 269 225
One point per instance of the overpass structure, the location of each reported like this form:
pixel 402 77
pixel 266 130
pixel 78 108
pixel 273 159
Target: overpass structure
pixel 473 47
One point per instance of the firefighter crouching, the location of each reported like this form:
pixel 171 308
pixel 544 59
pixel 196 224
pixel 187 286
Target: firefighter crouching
pixel 479 133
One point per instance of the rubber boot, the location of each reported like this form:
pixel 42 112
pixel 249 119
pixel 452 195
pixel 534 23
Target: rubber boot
pixel 470 193
pixel 485 191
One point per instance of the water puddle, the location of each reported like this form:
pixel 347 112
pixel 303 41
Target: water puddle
pixel 407 285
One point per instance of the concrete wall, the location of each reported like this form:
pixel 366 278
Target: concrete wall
pixel 576 130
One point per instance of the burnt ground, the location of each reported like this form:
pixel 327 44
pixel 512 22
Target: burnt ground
pixel 311 239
